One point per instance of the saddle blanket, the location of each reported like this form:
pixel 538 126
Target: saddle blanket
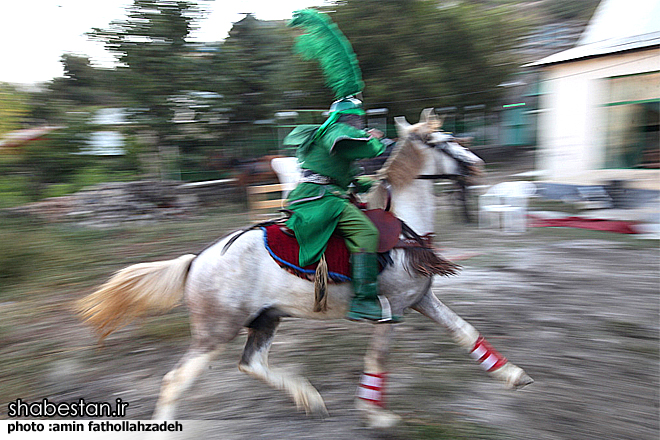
pixel 284 250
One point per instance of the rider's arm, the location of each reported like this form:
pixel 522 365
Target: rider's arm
pixel 363 183
pixel 352 144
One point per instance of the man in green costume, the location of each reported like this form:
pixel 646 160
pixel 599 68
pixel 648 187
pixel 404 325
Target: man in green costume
pixel 320 203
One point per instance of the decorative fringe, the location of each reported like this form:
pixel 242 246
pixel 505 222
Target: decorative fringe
pixel 426 262
pixel 321 286
pixel 423 259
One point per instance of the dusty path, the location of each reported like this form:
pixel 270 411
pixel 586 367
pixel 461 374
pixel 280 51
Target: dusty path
pixel 578 311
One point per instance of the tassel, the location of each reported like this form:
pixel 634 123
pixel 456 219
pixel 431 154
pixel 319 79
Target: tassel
pixel 321 286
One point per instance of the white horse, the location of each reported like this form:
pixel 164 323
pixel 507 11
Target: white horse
pixel 228 288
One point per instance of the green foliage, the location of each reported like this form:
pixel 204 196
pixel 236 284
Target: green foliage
pixel 252 56
pixel 55 165
pixel 13 108
pixel 426 53
pixel 17 252
pixel 82 84
pixel 155 68
pixel 12 190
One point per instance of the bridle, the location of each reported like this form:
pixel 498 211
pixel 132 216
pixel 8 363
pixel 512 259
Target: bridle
pixel 441 146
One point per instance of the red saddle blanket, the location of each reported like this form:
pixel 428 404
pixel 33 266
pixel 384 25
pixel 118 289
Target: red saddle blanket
pixel 283 247
pixel 284 250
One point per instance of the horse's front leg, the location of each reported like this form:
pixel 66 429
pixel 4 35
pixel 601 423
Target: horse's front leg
pixel 370 399
pixel 470 339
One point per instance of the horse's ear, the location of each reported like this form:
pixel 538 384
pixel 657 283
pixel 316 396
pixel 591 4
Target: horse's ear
pixel 426 114
pixel 402 125
pixel 429 117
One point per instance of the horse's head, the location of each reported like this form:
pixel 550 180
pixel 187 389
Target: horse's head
pixel 441 152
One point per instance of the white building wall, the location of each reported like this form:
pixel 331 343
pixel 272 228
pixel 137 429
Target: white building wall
pixel 573 121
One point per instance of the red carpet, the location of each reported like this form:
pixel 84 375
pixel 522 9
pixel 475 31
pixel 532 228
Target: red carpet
pixel 617 226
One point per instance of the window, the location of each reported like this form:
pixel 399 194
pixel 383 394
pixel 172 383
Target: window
pixel 633 108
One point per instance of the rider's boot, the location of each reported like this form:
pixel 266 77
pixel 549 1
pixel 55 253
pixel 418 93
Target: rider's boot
pixel 366 303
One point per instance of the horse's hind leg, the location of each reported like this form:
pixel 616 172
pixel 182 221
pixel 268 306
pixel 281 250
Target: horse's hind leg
pixel 469 338
pixel 255 363
pixel 371 391
pixel 210 336
pixel 178 380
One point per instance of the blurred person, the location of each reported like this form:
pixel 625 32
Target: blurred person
pixel 320 204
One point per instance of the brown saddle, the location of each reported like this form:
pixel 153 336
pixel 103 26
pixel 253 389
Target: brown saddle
pixel 389 228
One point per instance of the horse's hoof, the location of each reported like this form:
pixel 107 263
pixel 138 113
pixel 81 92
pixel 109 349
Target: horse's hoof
pixel 318 409
pixel 513 376
pixel 313 404
pixel 523 381
pixel 384 420
pixel 376 417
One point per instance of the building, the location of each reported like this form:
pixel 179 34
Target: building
pixel 600 100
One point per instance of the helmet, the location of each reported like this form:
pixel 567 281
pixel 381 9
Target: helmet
pixel 349 103
pixel 339 108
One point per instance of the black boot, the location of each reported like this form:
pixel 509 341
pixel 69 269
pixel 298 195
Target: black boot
pixel 366 303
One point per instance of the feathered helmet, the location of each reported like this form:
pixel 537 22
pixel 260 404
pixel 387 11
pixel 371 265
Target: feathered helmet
pixel 325 43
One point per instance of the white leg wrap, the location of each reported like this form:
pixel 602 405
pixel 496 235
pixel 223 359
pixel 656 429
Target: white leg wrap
pixel 371 388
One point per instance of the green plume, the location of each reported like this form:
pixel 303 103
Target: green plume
pixel 325 43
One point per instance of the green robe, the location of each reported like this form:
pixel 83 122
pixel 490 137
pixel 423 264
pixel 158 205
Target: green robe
pixel 316 208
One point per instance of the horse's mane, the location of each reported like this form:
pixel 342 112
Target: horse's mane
pixel 404 164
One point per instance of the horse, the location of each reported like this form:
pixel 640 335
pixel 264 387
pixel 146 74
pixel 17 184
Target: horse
pixel 235 284
pixel 254 171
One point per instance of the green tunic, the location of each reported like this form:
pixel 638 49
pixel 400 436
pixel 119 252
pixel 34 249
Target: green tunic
pixel 317 208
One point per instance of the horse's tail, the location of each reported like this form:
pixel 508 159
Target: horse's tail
pixel 135 291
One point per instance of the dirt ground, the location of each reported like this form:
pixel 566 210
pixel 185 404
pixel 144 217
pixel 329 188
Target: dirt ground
pixel 578 310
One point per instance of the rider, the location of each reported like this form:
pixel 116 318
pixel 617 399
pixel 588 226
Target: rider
pixel 320 203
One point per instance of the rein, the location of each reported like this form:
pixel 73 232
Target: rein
pixel 455 177
pixel 411 238
pixel 439 176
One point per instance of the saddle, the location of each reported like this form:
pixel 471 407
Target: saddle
pixel 283 247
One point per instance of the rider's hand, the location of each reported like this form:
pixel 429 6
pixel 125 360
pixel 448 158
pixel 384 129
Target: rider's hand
pixel 374 132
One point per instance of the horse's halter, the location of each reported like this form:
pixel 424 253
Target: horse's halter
pixel 442 147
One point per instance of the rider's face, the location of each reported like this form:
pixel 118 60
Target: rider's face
pixel 356 121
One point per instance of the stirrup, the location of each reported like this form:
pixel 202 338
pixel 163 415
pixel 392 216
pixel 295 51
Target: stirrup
pixel 386 316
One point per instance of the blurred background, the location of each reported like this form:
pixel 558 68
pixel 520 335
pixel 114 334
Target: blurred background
pixel 150 149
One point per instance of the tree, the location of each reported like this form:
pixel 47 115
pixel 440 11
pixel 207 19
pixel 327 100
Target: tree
pixel 156 68
pixel 416 53
pixel 13 108
pixel 262 76
pixel 82 84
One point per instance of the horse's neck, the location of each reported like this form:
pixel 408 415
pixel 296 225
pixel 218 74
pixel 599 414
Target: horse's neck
pixel 415 205
pixel 448 165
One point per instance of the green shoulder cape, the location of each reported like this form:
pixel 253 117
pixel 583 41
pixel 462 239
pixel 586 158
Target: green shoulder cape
pixel 316 208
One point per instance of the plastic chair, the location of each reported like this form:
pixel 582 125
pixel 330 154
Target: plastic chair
pixel 505 204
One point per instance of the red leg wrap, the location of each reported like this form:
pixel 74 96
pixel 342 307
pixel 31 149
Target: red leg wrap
pixel 486 355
